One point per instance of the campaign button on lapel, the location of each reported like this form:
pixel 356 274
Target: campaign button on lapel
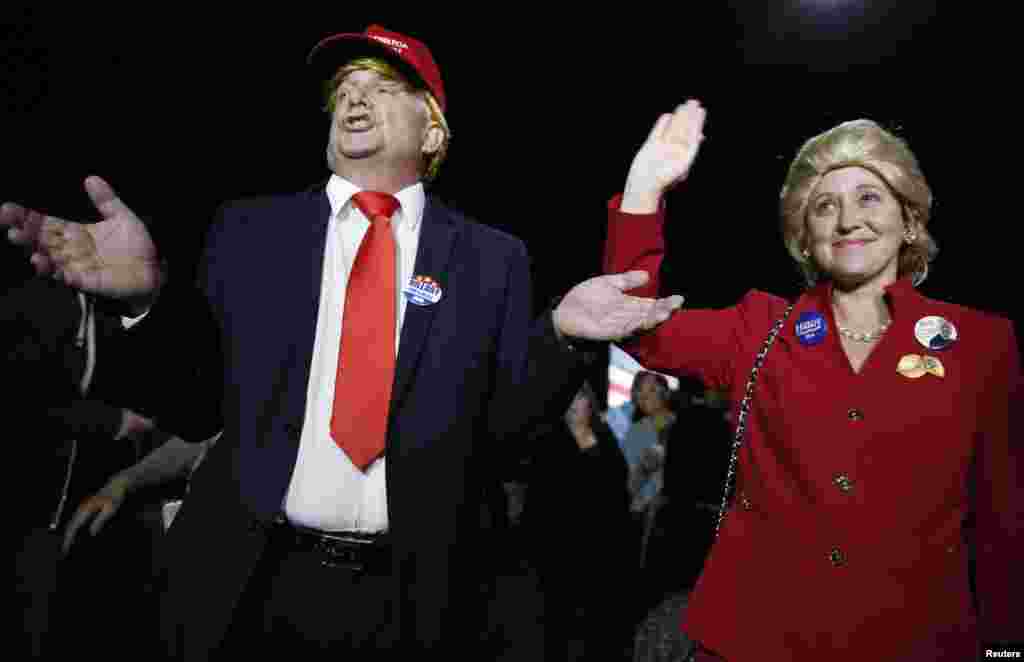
pixel 935 333
pixel 422 291
pixel 810 328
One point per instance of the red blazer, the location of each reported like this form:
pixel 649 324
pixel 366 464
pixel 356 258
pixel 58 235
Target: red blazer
pixel 848 542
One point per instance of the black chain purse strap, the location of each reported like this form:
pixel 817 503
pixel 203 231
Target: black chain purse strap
pixel 741 419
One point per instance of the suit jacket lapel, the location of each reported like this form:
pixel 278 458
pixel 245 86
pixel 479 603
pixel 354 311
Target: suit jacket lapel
pixel 437 237
pixel 317 209
pixel 312 213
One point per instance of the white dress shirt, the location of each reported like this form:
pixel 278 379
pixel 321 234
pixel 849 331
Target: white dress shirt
pixel 327 491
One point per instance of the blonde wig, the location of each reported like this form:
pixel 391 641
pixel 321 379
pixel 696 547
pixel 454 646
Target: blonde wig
pixel 386 69
pixel 867 145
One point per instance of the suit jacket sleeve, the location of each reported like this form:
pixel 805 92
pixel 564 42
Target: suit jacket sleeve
pixel 538 374
pixel 178 355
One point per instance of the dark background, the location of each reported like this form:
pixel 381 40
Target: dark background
pixel 181 110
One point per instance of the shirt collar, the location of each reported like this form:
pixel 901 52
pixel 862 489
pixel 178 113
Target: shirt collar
pixel 412 199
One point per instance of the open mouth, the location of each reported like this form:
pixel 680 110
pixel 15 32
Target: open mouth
pixel 357 123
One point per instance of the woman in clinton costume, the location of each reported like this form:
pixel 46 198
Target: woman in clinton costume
pixel 880 419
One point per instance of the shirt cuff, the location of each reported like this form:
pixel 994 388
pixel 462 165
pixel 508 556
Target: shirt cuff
pixel 572 344
pixel 129 322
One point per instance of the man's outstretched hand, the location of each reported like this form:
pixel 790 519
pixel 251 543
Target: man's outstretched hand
pixel 600 309
pixel 115 257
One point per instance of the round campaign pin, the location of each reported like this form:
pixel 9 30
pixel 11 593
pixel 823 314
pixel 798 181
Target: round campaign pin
pixel 935 333
pixel 422 291
pixel 810 328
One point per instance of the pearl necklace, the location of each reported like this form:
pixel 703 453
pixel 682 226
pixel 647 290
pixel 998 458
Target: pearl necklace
pixel 870 336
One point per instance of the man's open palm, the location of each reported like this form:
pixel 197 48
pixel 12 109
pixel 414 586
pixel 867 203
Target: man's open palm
pixel 115 257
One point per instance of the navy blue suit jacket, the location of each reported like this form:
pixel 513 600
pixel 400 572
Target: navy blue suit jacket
pixel 473 372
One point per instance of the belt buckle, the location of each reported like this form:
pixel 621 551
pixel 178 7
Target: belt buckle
pixel 340 554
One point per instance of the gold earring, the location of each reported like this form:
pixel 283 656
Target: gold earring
pixel 806 253
pixel 910 237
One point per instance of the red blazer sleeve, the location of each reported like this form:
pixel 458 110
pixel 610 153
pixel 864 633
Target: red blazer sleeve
pixel 997 495
pixel 635 242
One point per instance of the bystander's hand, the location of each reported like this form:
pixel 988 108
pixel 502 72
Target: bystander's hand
pixel 98 509
pixel 584 436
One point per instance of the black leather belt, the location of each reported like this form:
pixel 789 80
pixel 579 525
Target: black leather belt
pixel 359 552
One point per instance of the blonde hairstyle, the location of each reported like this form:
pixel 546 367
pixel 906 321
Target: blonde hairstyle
pixel 865 144
pixel 386 69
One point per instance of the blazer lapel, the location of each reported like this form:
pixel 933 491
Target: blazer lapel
pixel 312 213
pixel 437 237
pixel 317 208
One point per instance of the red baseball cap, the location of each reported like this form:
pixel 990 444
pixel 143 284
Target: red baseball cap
pixel 410 56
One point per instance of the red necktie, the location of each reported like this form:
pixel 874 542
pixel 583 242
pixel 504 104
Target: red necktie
pixel 366 358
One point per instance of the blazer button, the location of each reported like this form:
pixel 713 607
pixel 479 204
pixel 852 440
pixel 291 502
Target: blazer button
pixel 843 482
pixel 855 415
pixel 837 558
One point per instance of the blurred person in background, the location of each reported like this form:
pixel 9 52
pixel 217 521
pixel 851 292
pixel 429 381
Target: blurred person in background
pixel 100 388
pixel 581 537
